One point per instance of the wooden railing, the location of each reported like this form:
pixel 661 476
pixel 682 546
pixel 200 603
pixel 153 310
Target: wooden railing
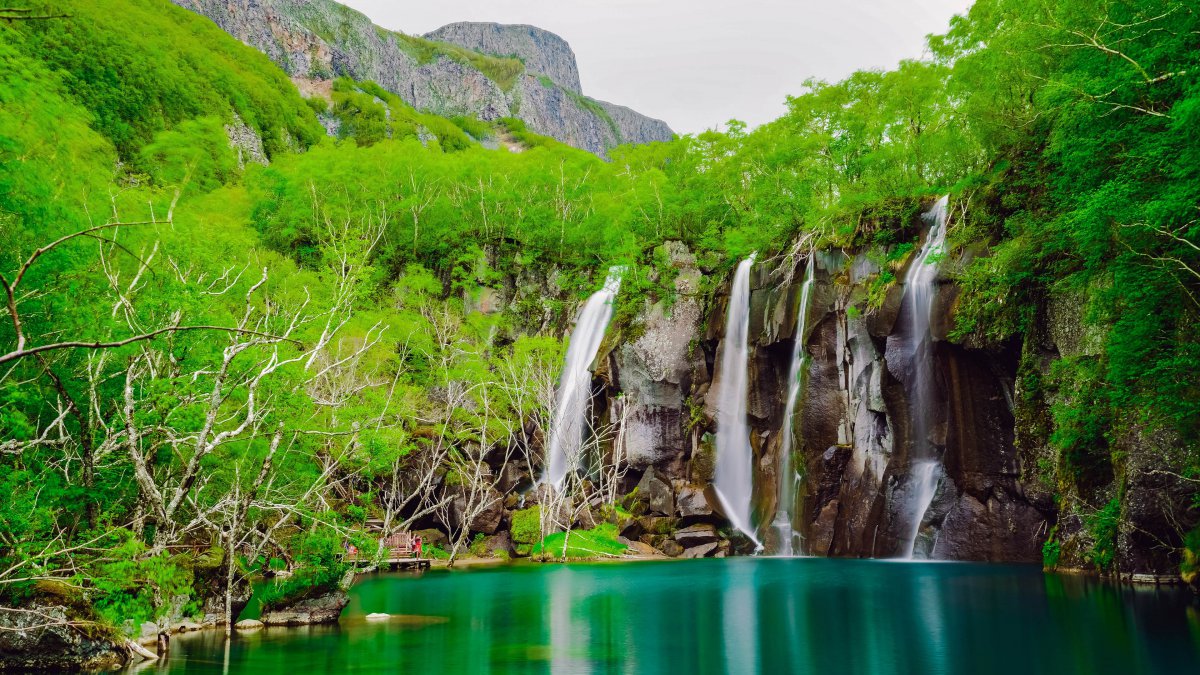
pixel 396 547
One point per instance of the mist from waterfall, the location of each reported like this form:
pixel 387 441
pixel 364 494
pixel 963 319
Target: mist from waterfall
pixel 786 511
pixel 575 386
pixel 919 291
pixel 734 481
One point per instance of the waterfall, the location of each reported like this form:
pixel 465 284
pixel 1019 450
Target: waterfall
pixel 734 480
pixel 919 290
pixel 575 387
pixel 785 511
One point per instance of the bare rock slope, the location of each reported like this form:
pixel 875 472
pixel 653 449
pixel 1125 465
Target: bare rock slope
pixel 485 70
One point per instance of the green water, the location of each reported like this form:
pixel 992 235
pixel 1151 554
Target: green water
pixel 738 616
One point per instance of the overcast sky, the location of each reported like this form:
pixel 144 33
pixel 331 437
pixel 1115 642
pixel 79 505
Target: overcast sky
pixel 698 63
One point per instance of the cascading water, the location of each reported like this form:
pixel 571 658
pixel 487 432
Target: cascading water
pixel 734 481
pixel 919 285
pixel 575 387
pixel 785 512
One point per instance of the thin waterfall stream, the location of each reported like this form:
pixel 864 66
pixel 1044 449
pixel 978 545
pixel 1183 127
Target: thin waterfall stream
pixel 919 292
pixel 734 480
pixel 568 427
pixel 787 511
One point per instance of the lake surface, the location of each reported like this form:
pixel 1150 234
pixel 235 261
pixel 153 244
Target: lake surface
pixel 747 615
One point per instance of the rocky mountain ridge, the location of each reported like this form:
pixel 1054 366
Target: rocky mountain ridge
pixel 487 71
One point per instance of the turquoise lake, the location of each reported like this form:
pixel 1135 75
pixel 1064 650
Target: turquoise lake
pixel 742 615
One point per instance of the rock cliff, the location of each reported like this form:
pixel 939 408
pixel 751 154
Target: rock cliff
pixel 485 70
pixel 542 52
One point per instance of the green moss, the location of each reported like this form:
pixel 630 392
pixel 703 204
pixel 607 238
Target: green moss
pixel 599 541
pixel 527 525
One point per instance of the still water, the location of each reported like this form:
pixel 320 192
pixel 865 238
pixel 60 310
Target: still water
pixel 748 615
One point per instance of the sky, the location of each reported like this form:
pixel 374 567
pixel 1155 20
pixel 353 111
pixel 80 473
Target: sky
pixel 698 63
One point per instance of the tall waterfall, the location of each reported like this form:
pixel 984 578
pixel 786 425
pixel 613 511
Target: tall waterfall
pixel 734 480
pixel 575 387
pixel 919 285
pixel 785 511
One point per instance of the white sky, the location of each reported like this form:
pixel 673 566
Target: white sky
pixel 698 63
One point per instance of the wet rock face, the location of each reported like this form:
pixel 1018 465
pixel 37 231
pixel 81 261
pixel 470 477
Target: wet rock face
pixel 36 637
pixel 654 371
pixel 1001 528
pixel 854 431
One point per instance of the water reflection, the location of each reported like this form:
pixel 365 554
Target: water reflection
pixel 738 616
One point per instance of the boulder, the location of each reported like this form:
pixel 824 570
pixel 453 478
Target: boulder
pixel 671 547
pixel 638 547
pixel 657 493
pixel 28 643
pixel 248 624
pixel 324 608
pixel 655 540
pixel 657 524
pixel 487 520
pixel 501 541
pixel 696 535
pixel 631 528
pixel 701 551
pixel 431 537
pixel 704 460
pixel 692 502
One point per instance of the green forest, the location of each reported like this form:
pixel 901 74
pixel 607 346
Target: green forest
pixel 219 360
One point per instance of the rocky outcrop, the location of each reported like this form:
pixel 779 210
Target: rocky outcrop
pixel 634 127
pixel 324 608
pixel 50 637
pixel 542 52
pixel 853 437
pixel 654 370
pixel 317 40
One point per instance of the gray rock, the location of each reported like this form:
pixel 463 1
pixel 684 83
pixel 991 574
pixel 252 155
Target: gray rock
pixel 657 494
pixel 692 502
pixel 248 624
pixel 431 536
pixel 321 39
pixel 27 642
pixel 501 541
pixel 324 608
pixel 671 547
pixel 701 551
pixel 542 52
pixel 695 535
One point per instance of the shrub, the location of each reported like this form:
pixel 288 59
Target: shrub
pixel 1103 528
pixel 527 525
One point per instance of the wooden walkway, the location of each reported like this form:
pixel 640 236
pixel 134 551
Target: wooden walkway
pixel 401 551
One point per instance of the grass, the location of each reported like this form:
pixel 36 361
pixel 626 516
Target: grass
pixel 597 542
